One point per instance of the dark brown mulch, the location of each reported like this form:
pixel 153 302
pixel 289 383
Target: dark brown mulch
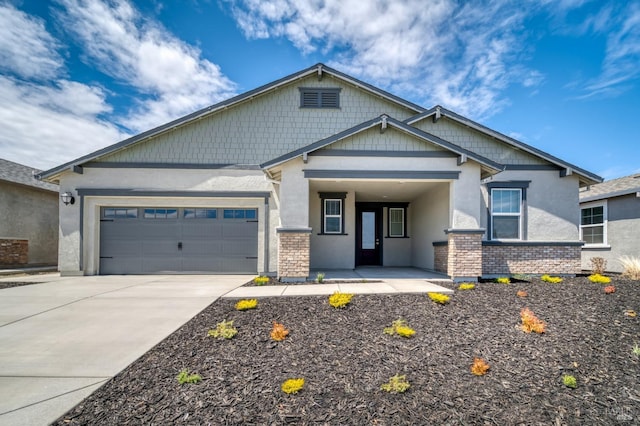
pixel 345 357
pixel 10 284
pixel 275 281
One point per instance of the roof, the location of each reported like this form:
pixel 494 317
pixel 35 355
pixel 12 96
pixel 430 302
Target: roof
pixel 319 69
pixel 587 178
pixel 23 175
pixel 612 188
pixel 385 120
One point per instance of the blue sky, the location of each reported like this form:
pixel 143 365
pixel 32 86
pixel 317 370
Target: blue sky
pixel 561 75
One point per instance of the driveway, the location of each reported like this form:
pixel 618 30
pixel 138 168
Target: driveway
pixel 61 340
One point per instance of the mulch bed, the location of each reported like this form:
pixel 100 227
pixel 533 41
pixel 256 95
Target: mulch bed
pixel 275 281
pixel 10 284
pixel 344 357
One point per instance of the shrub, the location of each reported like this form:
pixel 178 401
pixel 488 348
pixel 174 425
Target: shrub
pixel 466 286
pixel 631 267
pixel 630 313
pixel 185 377
pixel 401 328
pixel 599 279
pixel 522 293
pixel 598 265
pixel 292 385
pixel 279 332
pixel 636 350
pixel 260 280
pixel 569 381
pixel 440 298
pixel 246 304
pixel 320 277
pixel 503 280
pixel 340 300
pixel 396 384
pixel 549 279
pixel 609 289
pixel 530 322
pixel 224 330
pixel 479 367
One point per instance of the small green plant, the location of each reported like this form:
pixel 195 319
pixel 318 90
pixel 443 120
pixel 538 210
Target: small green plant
pixel 224 330
pixel 466 286
pixel 569 381
pixel 292 385
pixel 630 267
pixel 636 350
pixel 599 279
pixel 396 384
pixel 401 328
pixel 246 304
pixel 440 298
pixel 521 277
pixel 549 279
pixel 260 280
pixel 320 277
pixel 503 280
pixel 185 377
pixel 340 300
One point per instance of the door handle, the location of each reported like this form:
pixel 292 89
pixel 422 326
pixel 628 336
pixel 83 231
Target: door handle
pixel 180 245
pixel 377 242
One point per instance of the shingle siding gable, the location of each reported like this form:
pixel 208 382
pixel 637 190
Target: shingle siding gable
pixel 390 140
pixel 262 128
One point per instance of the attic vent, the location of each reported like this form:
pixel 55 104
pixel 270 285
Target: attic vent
pixel 319 98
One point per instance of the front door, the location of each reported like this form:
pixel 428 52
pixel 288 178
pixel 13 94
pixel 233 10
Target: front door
pixel 368 232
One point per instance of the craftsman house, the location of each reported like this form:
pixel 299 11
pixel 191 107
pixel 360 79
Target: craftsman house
pixel 319 170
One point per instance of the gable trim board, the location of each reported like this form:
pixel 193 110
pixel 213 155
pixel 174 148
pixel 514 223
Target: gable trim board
pixel 381 160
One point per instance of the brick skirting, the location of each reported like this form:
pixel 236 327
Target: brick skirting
pixel 14 251
pixel 531 258
pixel 464 253
pixel 293 255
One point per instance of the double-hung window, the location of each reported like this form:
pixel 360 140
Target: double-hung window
pixel 593 223
pixel 396 222
pixel 332 221
pixel 506 213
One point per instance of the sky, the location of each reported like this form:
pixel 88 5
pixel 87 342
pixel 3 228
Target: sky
pixel 560 75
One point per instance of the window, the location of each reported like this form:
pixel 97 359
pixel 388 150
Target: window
pixel 319 98
pixel 332 221
pixel 593 220
pixel 396 222
pixel 200 213
pixel 160 213
pixel 506 216
pixel 239 213
pixel 120 213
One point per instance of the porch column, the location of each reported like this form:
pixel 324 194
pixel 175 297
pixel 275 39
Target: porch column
pixel 294 233
pixel 464 260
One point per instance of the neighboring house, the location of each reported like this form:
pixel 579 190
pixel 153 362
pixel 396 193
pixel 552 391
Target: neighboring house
pixel 29 217
pixel 319 170
pixel 610 221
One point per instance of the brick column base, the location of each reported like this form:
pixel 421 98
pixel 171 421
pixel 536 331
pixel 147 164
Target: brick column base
pixel 293 254
pixel 14 251
pixel 464 257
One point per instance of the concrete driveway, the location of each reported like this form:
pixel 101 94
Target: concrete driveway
pixel 61 340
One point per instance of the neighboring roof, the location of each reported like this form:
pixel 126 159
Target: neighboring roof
pixel 23 175
pixel 316 69
pixel 385 121
pixel 438 111
pixel 612 188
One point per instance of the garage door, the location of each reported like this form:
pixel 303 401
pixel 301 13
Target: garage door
pixel 178 240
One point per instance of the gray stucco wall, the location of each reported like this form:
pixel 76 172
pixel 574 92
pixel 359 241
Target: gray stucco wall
pixel 332 251
pixel 623 233
pixel 31 214
pixel 429 218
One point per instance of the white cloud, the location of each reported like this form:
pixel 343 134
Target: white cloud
pixel 444 52
pixel 26 48
pixel 170 75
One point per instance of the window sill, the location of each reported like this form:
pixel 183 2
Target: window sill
pixel 329 233
pixel 597 246
pixel 396 238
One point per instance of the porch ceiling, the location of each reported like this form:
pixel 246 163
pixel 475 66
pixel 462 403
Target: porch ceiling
pixel 376 190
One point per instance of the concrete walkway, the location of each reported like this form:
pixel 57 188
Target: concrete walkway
pixel 367 280
pixel 61 340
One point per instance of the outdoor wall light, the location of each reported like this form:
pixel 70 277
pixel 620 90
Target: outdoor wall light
pixel 67 198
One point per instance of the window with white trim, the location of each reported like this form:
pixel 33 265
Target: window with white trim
pixel 593 223
pixel 332 212
pixel 506 213
pixel 396 222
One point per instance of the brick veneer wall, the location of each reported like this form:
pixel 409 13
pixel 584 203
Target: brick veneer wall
pixel 441 252
pixel 531 258
pixel 14 251
pixel 464 253
pixel 293 255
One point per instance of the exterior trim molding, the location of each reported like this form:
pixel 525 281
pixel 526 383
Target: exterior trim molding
pixel 293 230
pixel 532 167
pixel 369 153
pixel 380 174
pixel 138 165
pixel 464 231
pixel 104 192
pixel 522 184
